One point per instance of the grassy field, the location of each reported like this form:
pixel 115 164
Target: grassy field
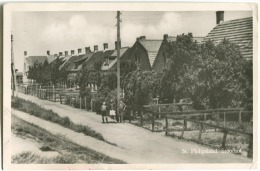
pixel 69 152
pixel 49 115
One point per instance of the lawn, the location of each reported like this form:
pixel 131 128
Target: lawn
pixel 69 152
pixel 33 109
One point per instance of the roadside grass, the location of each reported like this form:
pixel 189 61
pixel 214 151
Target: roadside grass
pixel 69 152
pixel 33 109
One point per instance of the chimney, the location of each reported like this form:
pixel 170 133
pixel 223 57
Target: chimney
pixel 116 44
pixel 105 46
pixel 95 48
pixel 165 36
pixel 72 52
pixel 142 38
pixel 48 52
pixel 220 16
pixel 66 53
pixel 60 53
pixel 25 53
pixel 87 49
pixel 79 51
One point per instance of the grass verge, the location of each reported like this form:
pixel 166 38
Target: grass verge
pixel 69 152
pixel 33 109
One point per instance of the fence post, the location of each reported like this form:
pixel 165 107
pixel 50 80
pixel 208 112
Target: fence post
pixel 55 97
pixel 250 147
pixel 224 119
pixel 224 139
pixel 200 133
pixel 166 125
pixel 37 90
pixel 85 103
pixel 152 122
pixel 182 132
pixel 141 118
pixel 205 117
pixel 159 111
pixel 60 99
pixel 80 102
pixel 239 119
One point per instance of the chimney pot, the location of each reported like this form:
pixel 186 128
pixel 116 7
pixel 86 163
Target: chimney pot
pixel 60 53
pixel 105 46
pixel 25 53
pixel 48 52
pixel 96 48
pixel 87 49
pixel 142 38
pixel 66 53
pixel 72 52
pixel 79 51
pixel 220 16
pixel 165 36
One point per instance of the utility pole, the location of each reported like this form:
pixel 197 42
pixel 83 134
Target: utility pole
pixel 13 67
pixel 118 59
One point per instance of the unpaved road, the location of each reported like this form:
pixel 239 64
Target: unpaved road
pixel 135 144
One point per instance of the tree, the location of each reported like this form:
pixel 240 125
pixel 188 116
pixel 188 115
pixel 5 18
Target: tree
pixel 212 75
pixel 180 55
pixel 140 87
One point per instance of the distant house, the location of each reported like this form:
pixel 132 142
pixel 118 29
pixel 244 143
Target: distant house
pixel 150 54
pixel 144 51
pixel 111 59
pixel 79 62
pixel 30 61
pixel 239 31
pixel 161 61
pixel 97 57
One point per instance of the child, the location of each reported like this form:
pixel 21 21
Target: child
pixel 104 112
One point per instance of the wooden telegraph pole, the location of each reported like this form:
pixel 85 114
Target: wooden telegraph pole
pixel 118 59
pixel 13 68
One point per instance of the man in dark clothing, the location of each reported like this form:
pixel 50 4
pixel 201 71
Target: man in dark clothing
pixel 121 111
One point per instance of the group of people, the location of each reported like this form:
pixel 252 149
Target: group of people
pixel 105 111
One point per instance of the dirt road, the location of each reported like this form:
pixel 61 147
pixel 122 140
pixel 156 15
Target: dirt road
pixel 135 144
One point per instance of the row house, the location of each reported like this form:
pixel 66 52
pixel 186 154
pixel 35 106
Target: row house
pixel 238 31
pixel 111 59
pixel 150 54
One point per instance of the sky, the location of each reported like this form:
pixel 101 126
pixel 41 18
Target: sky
pixel 37 32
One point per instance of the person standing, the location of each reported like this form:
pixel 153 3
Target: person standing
pixel 121 111
pixel 104 112
pixel 112 112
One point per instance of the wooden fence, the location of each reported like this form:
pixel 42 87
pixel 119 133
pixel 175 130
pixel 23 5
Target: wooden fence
pixel 224 129
pixel 200 117
pixel 56 94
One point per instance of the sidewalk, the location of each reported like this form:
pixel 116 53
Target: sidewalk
pixel 135 144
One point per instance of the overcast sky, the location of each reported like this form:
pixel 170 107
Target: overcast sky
pixel 37 32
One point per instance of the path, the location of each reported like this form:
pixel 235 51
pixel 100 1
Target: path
pixel 138 145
